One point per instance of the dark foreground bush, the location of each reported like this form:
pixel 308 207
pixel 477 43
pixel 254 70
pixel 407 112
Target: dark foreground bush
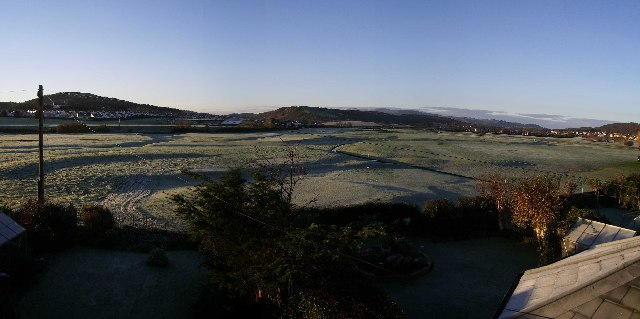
pixel 470 215
pixel 97 226
pixel 401 218
pixel 50 226
pixel 96 220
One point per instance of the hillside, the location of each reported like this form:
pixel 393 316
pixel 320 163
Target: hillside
pixel 498 123
pixel 311 115
pixel 470 120
pixel 623 128
pixel 77 101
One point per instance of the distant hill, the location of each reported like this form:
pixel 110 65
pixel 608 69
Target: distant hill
pixel 77 101
pixel 498 123
pixel 543 120
pixel 623 128
pixel 470 120
pixel 311 115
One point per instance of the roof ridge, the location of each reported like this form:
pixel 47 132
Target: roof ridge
pixel 623 244
pixel 624 265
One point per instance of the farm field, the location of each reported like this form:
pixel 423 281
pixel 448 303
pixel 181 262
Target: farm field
pixel 134 174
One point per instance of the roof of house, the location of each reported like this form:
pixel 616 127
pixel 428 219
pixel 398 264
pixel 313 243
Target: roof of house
pixel 586 233
pixel 9 229
pixel 602 282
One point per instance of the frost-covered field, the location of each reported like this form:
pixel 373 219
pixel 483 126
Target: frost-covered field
pixel 134 174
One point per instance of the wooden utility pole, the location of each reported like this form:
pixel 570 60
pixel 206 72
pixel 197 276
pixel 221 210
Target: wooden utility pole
pixel 40 146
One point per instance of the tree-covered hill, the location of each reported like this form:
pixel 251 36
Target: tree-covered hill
pixel 622 128
pixel 311 115
pixel 77 101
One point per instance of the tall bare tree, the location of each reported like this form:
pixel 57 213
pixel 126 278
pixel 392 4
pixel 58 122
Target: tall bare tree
pixel 596 185
pixel 498 189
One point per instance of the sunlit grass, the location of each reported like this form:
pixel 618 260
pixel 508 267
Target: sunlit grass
pixel 104 168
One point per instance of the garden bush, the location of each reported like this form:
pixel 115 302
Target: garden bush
pixel 96 220
pixel 50 226
pixel 399 218
pixel 471 214
pixel 440 209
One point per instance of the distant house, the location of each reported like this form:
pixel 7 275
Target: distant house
pixel 232 121
pixel 600 282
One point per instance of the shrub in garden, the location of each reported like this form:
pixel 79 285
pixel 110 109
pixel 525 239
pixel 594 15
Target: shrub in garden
pixel 48 225
pixel 386 212
pixel 471 214
pixel 96 220
pixel 440 209
pixel 479 213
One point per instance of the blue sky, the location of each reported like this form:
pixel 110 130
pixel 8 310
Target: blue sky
pixel 575 58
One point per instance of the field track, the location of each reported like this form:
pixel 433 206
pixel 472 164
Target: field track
pixel 135 174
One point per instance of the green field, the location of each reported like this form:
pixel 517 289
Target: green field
pixel 134 173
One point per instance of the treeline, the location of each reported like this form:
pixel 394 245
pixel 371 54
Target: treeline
pixel 628 129
pixel 548 206
pixel 310 115
pixel 77 127
pixel 624 190
pixel 441 218
pixel 90 102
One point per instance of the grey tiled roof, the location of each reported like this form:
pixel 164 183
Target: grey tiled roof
pixel 586 233
pixel 9 229
pixel 602 282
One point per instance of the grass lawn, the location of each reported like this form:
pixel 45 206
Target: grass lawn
pixel 133 173
pixel 468 279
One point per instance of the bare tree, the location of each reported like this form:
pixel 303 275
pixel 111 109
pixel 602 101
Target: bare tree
pixel 285 174
pixel 498 189
pixel 596 185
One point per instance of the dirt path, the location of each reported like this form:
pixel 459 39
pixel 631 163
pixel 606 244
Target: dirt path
pixel 124 202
